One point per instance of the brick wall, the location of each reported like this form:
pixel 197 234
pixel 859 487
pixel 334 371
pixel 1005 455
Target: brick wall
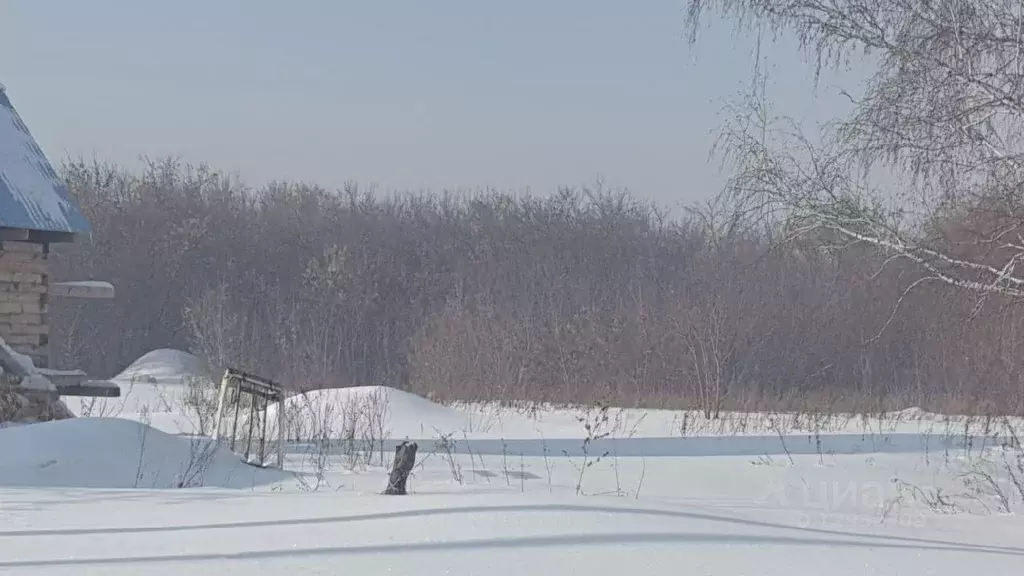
pixel 24 278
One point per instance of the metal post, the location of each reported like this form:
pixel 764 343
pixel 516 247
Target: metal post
pixel 280 429
pixel 263 432
pixel 220 406
pixel 252 417
pixel 236 400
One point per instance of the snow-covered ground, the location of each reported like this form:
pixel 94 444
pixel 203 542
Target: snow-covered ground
pixel 155 390
pixel 500 492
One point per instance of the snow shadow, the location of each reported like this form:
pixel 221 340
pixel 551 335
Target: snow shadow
pixel 801 536
pixel 573 542
pixel 698 446
pixel 434 513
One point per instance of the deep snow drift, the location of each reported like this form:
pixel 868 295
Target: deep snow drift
pixel 115 453
pixel 378 410
pixel 159 389
pixel 503 492
pixel 163 366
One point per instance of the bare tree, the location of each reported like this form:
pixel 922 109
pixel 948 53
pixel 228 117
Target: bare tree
pixel 582 296
pixel 927 166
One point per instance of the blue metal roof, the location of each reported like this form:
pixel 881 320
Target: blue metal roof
pixel 32 196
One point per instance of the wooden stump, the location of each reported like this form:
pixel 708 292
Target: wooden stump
pixel 405 459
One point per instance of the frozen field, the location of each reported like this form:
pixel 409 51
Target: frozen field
pixel 498 492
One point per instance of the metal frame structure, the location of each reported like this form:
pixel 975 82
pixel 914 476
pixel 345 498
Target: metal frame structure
pixel 260 391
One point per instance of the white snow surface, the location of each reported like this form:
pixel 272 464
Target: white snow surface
pixel 87 284
pixel 153 391
pixel 163 366
pixel 115 453
pixel 512 493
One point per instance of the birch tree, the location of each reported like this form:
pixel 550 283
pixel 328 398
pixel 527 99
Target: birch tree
pixel 927 167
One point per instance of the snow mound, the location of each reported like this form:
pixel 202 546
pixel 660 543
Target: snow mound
pixel 162 366
pixel 118 453
pixel 162 389
pixel 374 410
pixel 912 413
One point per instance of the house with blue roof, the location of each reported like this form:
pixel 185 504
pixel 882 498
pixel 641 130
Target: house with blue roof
pixel 34 204
pixel 36 210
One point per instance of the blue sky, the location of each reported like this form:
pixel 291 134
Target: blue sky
pixel 404 94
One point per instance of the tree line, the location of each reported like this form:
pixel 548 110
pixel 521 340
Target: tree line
pixel 580 296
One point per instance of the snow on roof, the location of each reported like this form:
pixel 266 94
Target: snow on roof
pixel 32 196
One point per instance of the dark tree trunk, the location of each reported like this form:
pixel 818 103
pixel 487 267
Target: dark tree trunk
pixel 405 459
